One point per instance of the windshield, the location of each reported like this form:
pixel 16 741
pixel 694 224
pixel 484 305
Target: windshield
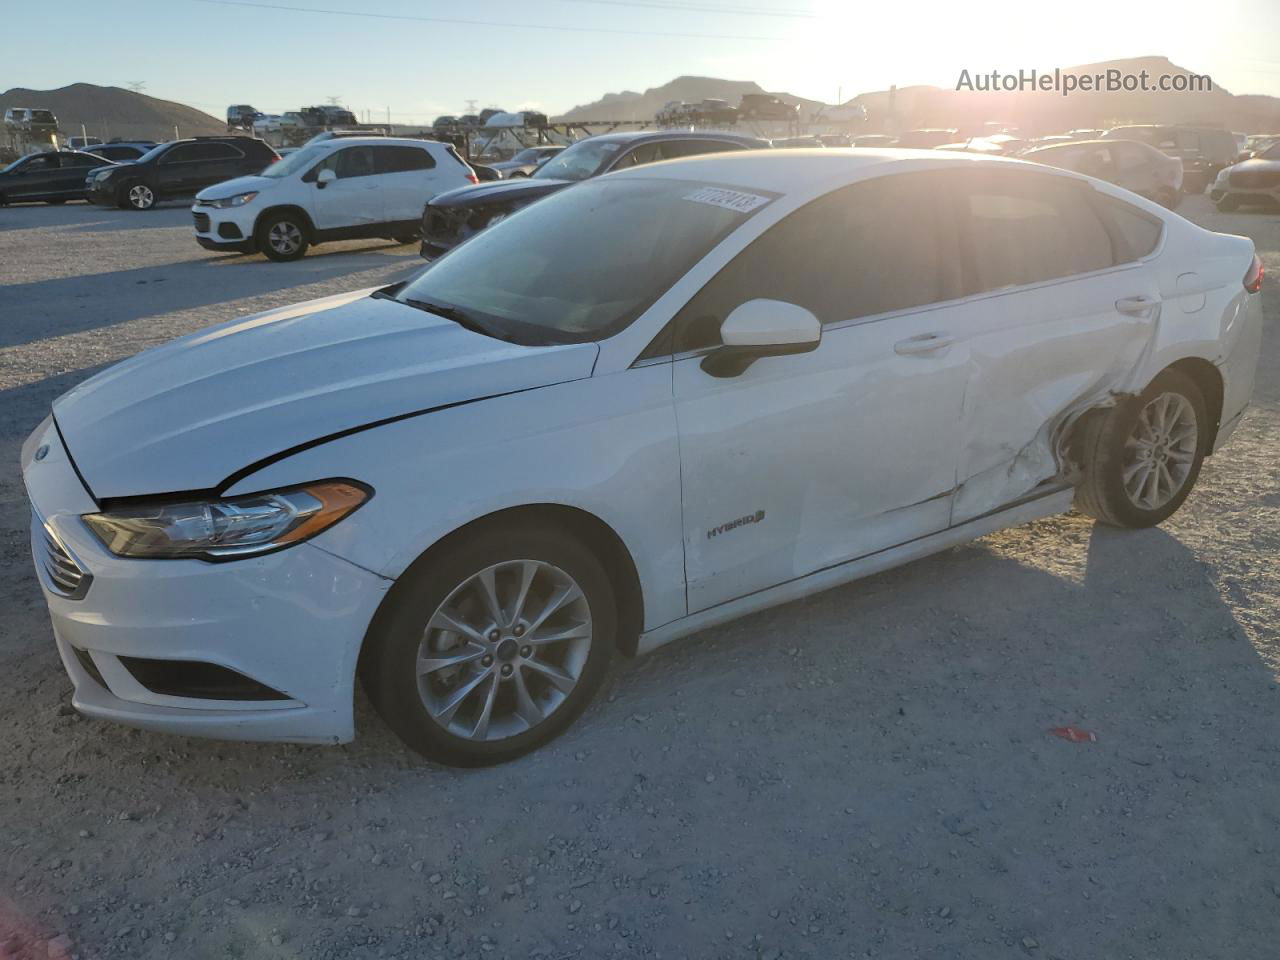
pixel 152 153
pixel 527 156
pixel 583 263
pixel 1272 152
pixel 298 160
pixel 579 161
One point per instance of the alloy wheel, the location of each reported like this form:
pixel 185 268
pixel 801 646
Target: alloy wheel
pixel 1161 451
pixel 141 197
pixel 285 238
pixel 504 650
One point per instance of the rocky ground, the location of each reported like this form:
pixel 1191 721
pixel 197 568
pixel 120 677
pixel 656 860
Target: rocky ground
pixel 867 773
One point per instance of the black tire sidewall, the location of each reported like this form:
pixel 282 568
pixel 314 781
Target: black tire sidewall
pixel 264 229
pixel 1123 419
pixel 387 664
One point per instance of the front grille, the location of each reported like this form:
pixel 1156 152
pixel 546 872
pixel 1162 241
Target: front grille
pixel 202 222
pixel 65 576
pixel 1255 179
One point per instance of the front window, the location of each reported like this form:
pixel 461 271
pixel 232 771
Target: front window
pixel 579 161
pixel 582 264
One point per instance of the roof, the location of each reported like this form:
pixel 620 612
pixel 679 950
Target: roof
pixel 781 171
pixel 637 136
pixel 372 141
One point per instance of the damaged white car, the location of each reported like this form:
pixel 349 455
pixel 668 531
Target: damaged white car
pixel 652 403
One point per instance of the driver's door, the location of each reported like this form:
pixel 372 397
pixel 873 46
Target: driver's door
pixel 353 200
pixel 806 461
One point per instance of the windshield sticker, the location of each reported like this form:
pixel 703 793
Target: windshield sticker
pixel 729 199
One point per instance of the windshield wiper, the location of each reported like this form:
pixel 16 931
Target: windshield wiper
pixel 461 317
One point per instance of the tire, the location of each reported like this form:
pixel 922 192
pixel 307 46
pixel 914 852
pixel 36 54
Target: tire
pixel 1228 204
pixel 1119 442
pixel 136 196
pixel 283 237
pixel 1169 199
pixel 441 714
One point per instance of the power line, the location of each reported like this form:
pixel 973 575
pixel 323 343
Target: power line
pixel 703 8
pixel 485 23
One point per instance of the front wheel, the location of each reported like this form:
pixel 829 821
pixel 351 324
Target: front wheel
pixel 283 237
pixel 1142 457
pixel 491 647
pixel 137 197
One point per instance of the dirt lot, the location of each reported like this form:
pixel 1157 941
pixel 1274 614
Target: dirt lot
pixel 868 773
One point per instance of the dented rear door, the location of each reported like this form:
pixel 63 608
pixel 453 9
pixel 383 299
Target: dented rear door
pixel 1055 320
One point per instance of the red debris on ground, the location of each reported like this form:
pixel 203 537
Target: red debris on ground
pixel 1074 734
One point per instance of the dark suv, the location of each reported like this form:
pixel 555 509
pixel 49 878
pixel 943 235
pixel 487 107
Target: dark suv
pixel 449 218
pixel 1203 150
pixel 181 168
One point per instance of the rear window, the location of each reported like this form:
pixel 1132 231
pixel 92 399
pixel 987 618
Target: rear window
pixel 402 159
pixel 1135 234
pixel 1023 229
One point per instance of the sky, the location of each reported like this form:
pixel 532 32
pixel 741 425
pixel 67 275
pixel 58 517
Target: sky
pixel 421 58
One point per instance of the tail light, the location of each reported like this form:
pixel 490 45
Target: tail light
pixel 472 177
pixel 1253 279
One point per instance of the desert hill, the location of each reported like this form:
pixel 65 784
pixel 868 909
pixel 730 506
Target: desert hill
pixel 109 112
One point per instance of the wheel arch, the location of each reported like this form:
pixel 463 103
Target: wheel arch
pixel 599 537
pixel 1209 379
pixel 293 208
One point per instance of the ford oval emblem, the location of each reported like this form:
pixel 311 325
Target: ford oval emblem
pixel 42 451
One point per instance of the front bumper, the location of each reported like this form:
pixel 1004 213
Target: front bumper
pixel 291 621
pixel 102 193
pixel 228 230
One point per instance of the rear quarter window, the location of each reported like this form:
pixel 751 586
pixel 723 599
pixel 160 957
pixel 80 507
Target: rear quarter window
pixel 1134 233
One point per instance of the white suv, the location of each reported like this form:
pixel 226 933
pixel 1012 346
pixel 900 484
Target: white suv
pixel 334 190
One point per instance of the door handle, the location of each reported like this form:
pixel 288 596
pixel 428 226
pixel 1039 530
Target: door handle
pixel 1135 305
pixel 925 343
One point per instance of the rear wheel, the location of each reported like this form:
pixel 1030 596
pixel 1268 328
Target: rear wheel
pixel 1228 203
pixel 283 236
pixel 493 646
pixel 1142 457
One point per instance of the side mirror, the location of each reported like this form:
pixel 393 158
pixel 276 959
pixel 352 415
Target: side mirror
pixel 325 177
pixel 761 328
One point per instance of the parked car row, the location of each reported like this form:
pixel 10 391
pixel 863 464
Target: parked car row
pixel 716 112
pixel 452 217
pixel 650 403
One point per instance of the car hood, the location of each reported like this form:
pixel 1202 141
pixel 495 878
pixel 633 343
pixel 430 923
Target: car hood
pixel 229 188
pixel 188 415
pixel 523 190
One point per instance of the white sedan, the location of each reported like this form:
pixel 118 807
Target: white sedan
pixel 689 391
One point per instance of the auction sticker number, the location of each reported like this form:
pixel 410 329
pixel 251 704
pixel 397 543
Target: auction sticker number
pixel 729 199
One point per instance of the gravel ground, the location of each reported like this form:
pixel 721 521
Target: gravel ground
pixel 866 773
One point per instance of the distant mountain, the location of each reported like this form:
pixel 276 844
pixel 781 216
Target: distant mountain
pixel 629 105
pixel 108 112
pixel 1045 111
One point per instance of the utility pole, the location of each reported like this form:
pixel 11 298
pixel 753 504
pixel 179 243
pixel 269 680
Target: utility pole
pixel 471 105
pixel 137 86
pixel 335 101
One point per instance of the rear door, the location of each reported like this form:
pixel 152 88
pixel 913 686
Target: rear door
pixel 72 172
pixel 218 162
pixel 407 178
pixel 806 461
pixel 1060 308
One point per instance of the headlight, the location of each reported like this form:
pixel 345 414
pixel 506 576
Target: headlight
pixel 239 200
pixel 230 528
